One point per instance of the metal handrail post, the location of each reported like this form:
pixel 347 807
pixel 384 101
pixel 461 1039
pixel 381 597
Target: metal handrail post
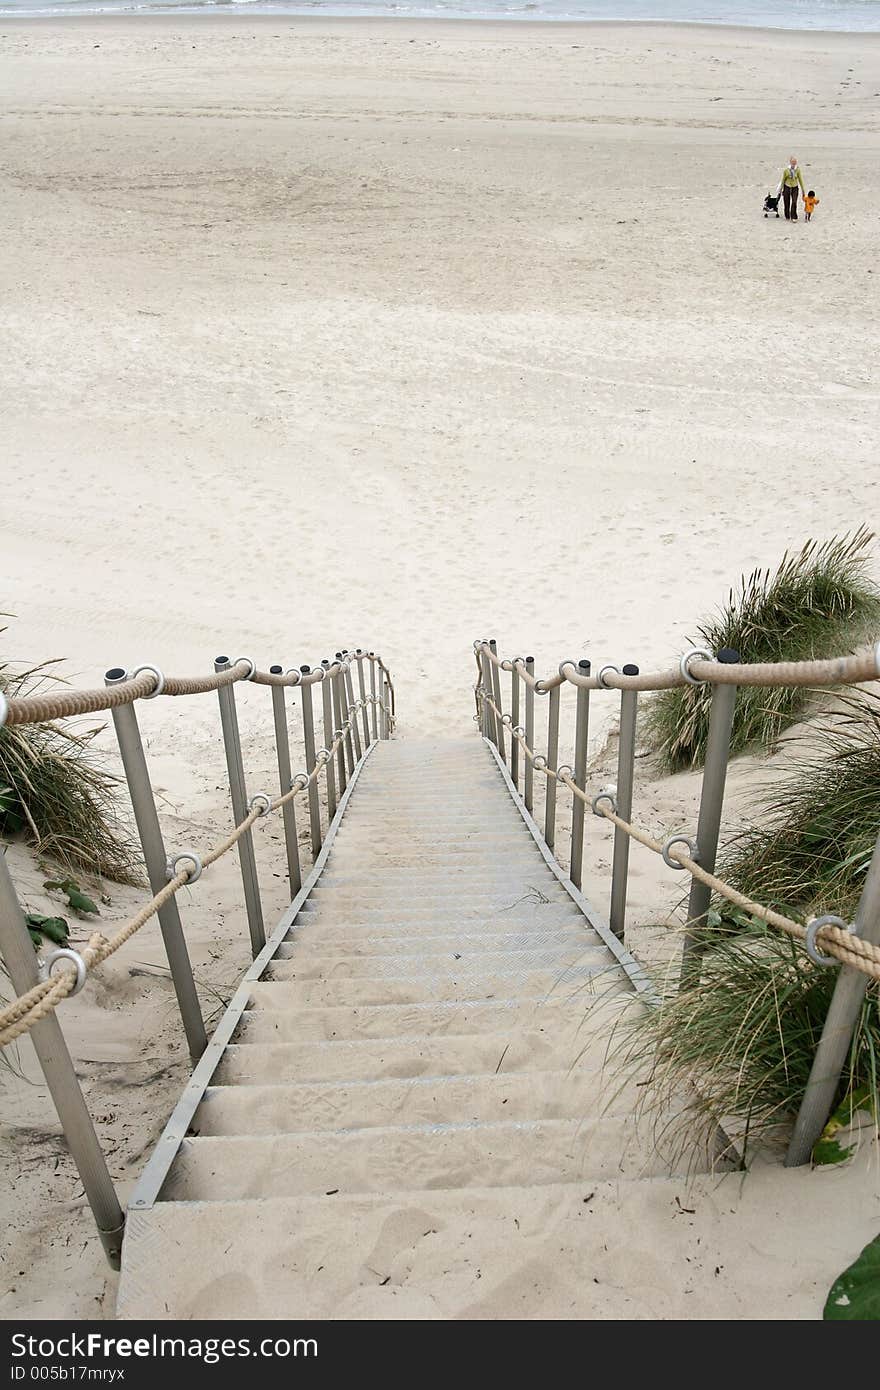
pixel 375 713
pixel 343 700
pixel 387 699
pixel 20 957
pixel 327 715
pixel 288 810
pixel 514 719
pixel 336 690
pixel 349 692
pixel 495 676
pixel 552 759
pixel 709 821
pixel 143 804
pixel 626 753
pixel 308 718
pixel 238 794
pixel 362 690
pixel 490 728
pixel 529 779
pixel 581 738
pixel 837 1034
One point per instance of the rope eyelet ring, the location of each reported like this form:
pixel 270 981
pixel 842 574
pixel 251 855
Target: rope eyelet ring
pixel 299 782
pixel 679 840
pixel 195 873
pixel 260 799
pixel 813 927
pixel 4 709
pixel 506 720
pixel 297 675
pixel 600 676
pixel 607 795
pixel 518 730
pixel 564 768
pixel 688 657
pixel 539 761
pixel 160 680
pixel 251 663
pixel 566 663
pixel 64 953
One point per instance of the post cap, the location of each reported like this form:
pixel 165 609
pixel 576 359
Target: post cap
pixel 630 669
pixel 114 675
pixel 276 670
pixel 727 656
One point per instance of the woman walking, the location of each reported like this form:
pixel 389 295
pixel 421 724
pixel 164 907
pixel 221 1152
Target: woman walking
pixel 791 177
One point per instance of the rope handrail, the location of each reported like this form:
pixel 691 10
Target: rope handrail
pixel 842 670
pixel 145 685
pixel 20 1015
pixel 846 947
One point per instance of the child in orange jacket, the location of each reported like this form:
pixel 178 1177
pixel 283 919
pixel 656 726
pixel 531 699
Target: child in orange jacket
pixel 810 201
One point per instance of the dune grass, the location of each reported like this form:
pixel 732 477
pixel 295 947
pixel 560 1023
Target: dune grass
pixel 739 1045
pixel 820 602
pixel 811 851
pixel 54 792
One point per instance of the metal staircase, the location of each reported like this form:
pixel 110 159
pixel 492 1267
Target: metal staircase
pixel 416 1055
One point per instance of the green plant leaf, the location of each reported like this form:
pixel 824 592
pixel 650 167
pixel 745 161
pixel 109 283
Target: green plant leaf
pixel 855 1295
pixel 74 894
pixel 828 1148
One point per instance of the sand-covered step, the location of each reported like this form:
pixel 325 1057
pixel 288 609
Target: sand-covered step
pixel 314 940
pixel 672 1248
pixel 499 984
pixel 278 1002
pixel 317 930
pixel 364 1059
pixel 271 1020
pixel 492 870
pixel 477 1154
pixel 313 1106
pixel 456 964
pixel 370 909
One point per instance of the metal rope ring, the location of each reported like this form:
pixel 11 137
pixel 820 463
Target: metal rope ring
pixel 813 928
pixel 4 709
pixel 566 663
pixel 296 673
pixel 687 658
pixel 506 721
pixel 299 782
pixel 171 870
pixel 679 840
pixel 600 675
pixel 608 796
pixel 518 730
pixel 250 661
pixel 160 680
pixel 540 762
pixel 564 767
pixel 323 755
pixel 260 798
pixel 64 953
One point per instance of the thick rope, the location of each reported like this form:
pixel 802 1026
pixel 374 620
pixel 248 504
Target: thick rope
pixel 849 949
pixel 37 1003
pixel 63 704
pixel 842 670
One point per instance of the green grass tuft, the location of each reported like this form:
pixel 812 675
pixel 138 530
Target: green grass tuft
pixel 820 602
pixel 54 793
pixel 812 853
pixel 740 1044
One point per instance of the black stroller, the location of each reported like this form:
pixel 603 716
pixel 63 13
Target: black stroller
pixel 771 205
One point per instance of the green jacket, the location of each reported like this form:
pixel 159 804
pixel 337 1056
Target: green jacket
pixel 792 177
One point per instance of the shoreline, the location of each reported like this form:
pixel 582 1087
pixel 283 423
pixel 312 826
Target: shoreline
pixel 449 22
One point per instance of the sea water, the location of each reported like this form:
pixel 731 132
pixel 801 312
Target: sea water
pixel 854 16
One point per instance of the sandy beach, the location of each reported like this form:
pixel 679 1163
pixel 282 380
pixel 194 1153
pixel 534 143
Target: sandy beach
pixel 397 334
